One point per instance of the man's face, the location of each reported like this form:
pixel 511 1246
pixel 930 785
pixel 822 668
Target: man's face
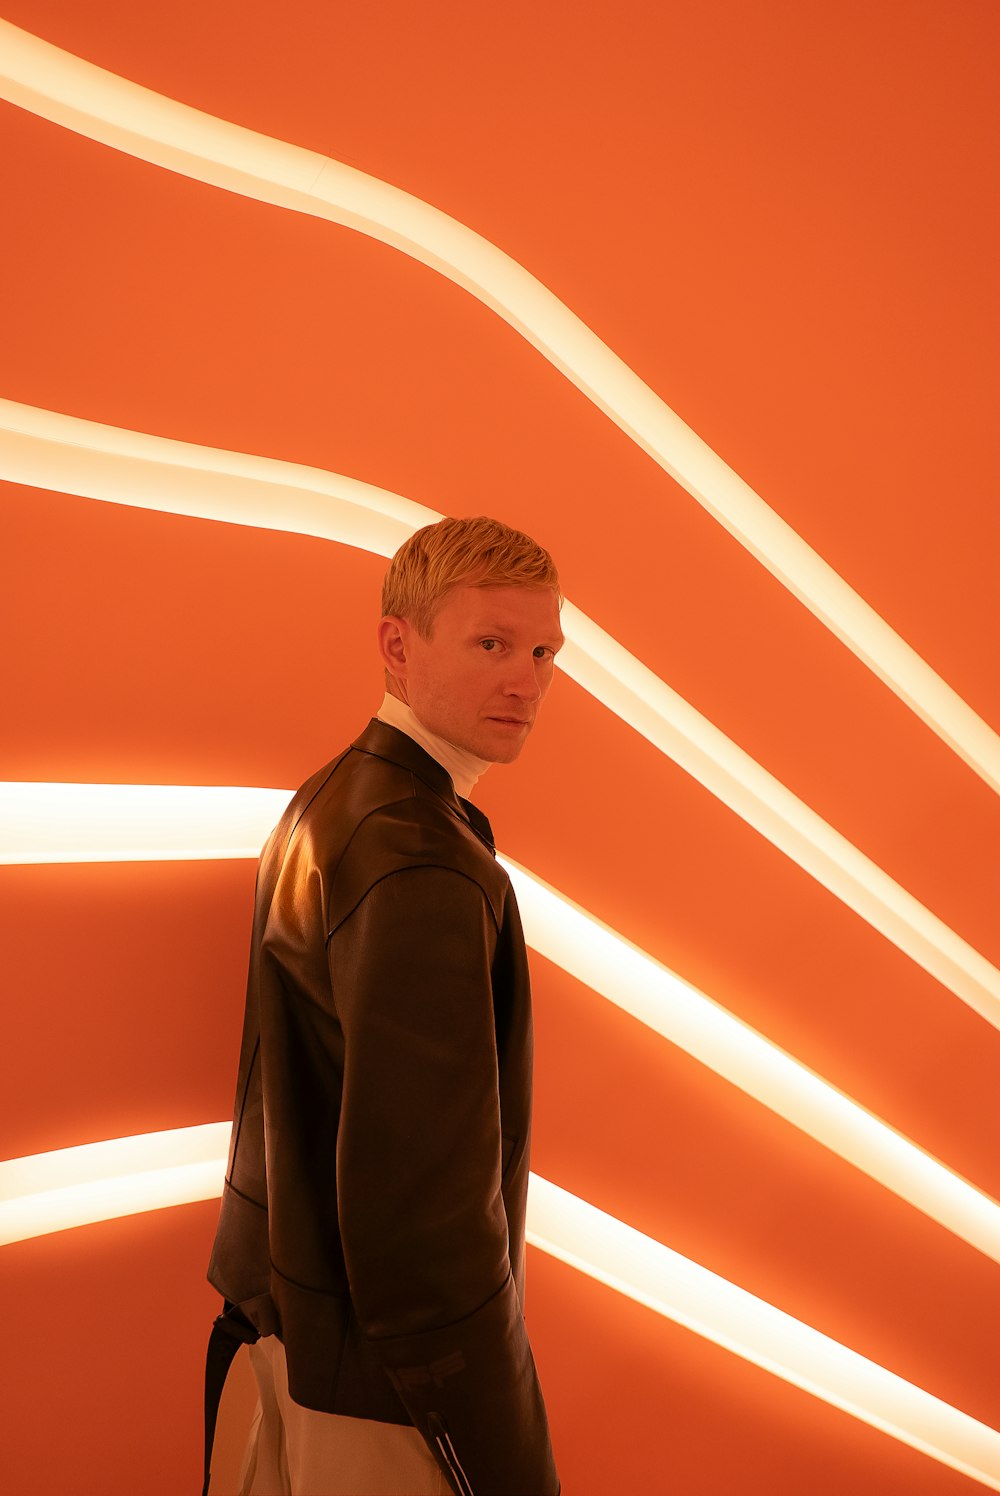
pixel 480 678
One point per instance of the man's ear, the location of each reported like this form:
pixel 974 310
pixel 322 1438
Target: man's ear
pixel 392 638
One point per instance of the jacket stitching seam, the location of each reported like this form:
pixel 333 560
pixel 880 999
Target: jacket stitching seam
pixel 248 1198
pixel 412 868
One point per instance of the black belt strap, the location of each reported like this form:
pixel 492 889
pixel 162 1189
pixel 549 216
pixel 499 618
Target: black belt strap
pixel 231 1330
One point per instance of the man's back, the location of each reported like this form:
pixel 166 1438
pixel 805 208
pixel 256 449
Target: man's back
pixel 375 1200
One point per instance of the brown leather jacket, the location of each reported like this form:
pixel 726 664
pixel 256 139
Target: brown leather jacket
pixel 374 1208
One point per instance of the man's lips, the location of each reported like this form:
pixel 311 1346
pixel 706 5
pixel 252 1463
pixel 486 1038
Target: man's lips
pixel 513 721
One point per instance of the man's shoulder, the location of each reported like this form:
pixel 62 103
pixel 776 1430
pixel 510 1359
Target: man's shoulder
pixel 407 835
pixel 383 773
pixel 382 807
pixel 380 767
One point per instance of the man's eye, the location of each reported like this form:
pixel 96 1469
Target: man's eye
pixel 489 643
pixel 541 650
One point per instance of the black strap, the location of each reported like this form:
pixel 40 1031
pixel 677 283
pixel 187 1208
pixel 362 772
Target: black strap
pixel 231 1330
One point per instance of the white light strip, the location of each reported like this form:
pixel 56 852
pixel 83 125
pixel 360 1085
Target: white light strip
pixel 134 822
pixel 48 450
pixel 619 971
pixel 44 449
pixel 93 102
pixel 48 1192
pixel 630 689
pixel 108 823
pixel 643 1269
pixel 101 1181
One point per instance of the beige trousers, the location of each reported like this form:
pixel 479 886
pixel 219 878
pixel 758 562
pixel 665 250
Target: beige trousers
pixel 294 1451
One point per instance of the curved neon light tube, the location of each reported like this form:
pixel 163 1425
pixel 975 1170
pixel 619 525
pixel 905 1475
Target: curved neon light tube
pixel 110 823
pixel 76 94
pixel 100 1181
pixel 48 450
pixel 45 449
pixel 633 1264
pixel 68 1187
pixel 625 975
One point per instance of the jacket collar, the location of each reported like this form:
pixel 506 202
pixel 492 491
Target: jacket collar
pixel 397 747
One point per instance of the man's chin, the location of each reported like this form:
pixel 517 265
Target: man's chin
pixel 505 755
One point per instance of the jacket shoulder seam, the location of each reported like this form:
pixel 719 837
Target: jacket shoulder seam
pixel 415 867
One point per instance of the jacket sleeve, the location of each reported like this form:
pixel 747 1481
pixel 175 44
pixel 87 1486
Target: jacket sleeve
pixel 421 1213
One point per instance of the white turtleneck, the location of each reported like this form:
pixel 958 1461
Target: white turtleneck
pixel 464 767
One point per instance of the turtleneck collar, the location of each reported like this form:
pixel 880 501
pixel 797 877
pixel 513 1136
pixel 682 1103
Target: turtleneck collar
pixel 464 767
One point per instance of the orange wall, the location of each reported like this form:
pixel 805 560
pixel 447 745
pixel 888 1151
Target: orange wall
pixel 785 223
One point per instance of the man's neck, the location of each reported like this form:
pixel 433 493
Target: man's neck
pixel 464 767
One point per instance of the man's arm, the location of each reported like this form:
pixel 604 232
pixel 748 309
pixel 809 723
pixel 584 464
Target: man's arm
pixel 422 1218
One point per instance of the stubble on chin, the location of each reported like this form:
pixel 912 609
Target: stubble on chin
pixel 506 753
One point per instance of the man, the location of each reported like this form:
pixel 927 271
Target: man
pixel 372 1224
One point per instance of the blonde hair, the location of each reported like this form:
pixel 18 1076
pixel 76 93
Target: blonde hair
pixel 478 552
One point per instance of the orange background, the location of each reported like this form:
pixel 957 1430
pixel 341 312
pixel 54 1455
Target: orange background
pixel 786 223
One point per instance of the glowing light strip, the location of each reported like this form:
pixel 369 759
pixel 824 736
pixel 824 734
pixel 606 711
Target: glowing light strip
pixel 134 822
pixel 99 1181
pixel 617 1255
pixel 109 823
pixel 44 449
pixel 48 1192
pixel 631 690
pixel 93 102
pixel 619 971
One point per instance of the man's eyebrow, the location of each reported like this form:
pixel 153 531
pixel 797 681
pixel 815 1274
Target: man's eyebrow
pixel 485 630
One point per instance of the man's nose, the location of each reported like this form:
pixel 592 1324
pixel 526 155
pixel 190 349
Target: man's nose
pixel 522 680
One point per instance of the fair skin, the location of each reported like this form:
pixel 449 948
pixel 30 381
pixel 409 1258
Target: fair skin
pixel 480 678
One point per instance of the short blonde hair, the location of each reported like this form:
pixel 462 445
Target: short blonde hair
pixel 479 552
